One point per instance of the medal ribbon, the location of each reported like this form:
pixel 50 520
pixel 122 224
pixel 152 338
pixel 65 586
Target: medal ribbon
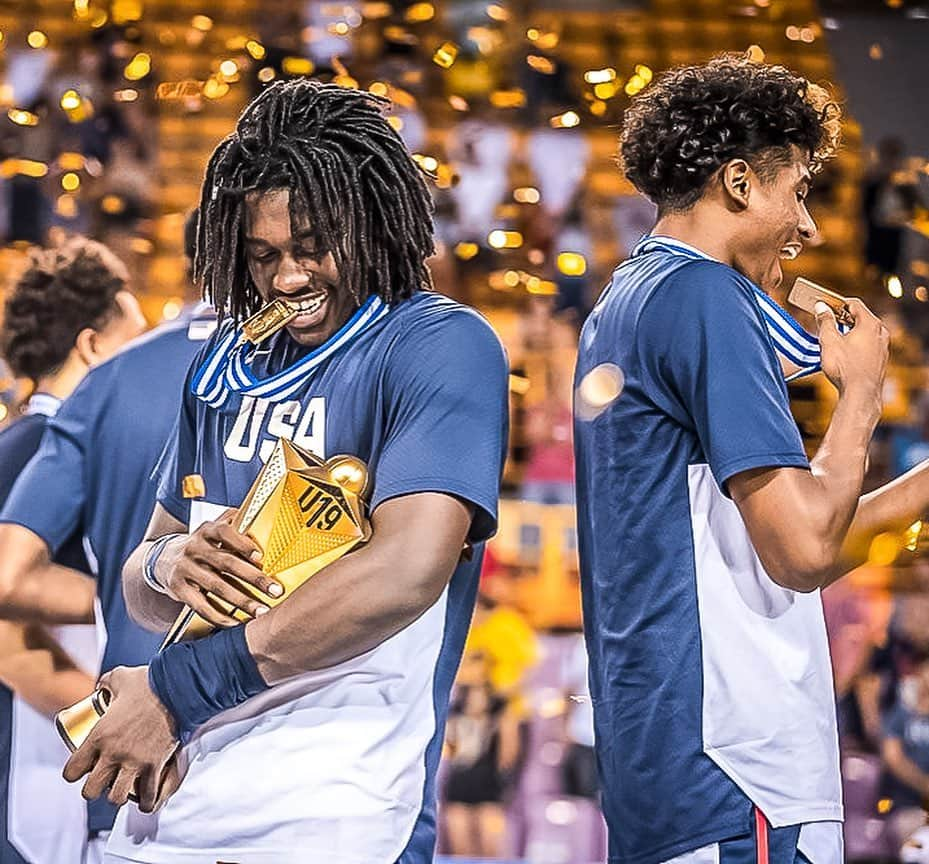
pixel 228 368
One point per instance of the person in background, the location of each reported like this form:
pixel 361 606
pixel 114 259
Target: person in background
pixel 905 751
pixel 92 477
pixel 69 311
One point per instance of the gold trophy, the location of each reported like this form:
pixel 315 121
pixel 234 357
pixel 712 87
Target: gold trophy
pixel 303 513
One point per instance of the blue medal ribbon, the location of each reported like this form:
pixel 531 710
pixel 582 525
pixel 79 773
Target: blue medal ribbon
pixel 228 368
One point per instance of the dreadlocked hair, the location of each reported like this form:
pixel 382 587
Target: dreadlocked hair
pixel 344 166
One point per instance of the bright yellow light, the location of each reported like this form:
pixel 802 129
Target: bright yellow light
pixel 511 278
pixel 894 287
pixel 201 23
pixel 228 68
pixel 466 251
pixel 885 805
pixel 379 88
pixel 37 39
pixel 568 120
pixel 541 64
pixel 535 285
pixel 600 76
pixel 572 263
pixel 499 239
pixel 911 536
pixel 598 108
pixel 170 310
pixel 297 66
pixel 26 167
pixel 445 176
pixel 756 53
pixel 70 100
pixel 70 161
pixel 215 89
pixel 427 163
pixel 396 122
pixel 266 74
pixel 514 98
pixel 70 182
pixel 419 13
pixel 526 195
pixel 644 73
pixel 607 90
pixel 533 33
pixel 125 11
pixel 345 81
pixel 138 67
pixel 255 49
pixel 445 55
pixel 22 118
pixel 340 28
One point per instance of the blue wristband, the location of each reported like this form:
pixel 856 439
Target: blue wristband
pixel 197 680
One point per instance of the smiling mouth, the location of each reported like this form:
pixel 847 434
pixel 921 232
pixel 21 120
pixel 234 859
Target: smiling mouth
pixel 307 305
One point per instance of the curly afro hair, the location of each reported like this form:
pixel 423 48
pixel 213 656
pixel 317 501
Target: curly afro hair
pixel 62 290
pixel 695 119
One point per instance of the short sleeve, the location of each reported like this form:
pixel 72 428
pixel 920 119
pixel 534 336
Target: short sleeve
pixel 446 390
pixel 707 359
pixel 49 496
pixel 179 457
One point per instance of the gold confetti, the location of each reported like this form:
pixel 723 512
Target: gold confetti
pixel 600 76
pixel 37 39
pixel 112 205
pixel 215 88
pixel 22 118
pixel 526 195
pixel 126 95
pixel 26 167
pixel 255 49
pixel 70 161
pixel 876 52
pixel 756 54
pixel 514 98
pixel 203 23
pixel 541 64
pixel 419 13
pixel 228 68
pixel 466 251
pixel 572 263
pixel 70 182
pixel 568 120
pixel 70 100
pixel 297 66
pixel 500 239
pixel 171 90
pixel 498 12
pixel 459 103
pixel 374 11
pixel 138 67
pixel 445 55
pixel 266 74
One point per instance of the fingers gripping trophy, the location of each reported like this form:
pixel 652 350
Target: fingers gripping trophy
pixel 302 512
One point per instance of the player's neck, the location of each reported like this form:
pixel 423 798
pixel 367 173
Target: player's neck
pixel 61 383
pixel 703 227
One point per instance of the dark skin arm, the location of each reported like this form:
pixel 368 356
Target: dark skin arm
pixel 33 588
pixel 347 609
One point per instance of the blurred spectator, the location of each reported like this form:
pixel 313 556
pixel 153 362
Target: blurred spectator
pixel 549 473
pixel 580 763
pixel 483 746
pixel 890 198
pixel 905 749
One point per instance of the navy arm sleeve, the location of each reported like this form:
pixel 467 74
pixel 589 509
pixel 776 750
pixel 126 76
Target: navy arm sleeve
pixel 446 391
pixel 49 497
pixel 708 361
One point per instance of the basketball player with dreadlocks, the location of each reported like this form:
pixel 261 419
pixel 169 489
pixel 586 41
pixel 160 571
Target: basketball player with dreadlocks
pixel 313 732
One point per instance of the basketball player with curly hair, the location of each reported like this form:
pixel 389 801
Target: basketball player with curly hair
pixel 705 532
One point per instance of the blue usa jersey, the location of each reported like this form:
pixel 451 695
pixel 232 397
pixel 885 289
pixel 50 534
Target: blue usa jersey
pixel 92 474
pixel 711 684
pixel 340 763
pixel 18 444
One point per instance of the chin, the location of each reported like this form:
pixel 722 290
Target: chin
pixel 310 338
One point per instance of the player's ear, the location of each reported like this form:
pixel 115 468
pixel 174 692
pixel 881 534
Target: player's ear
pixel 736 179
pixel 86 346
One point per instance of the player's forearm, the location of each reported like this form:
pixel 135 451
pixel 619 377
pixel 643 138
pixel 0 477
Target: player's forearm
pixel 45 680
pixel 838 469
pixel 48 593
pixel 148 608
pixel 892 507
pixel 345 611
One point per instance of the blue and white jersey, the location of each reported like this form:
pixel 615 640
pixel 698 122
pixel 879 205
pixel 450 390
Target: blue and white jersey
pixel 711 685
pixel 30 749
pixel 337 765
pixel 91 477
